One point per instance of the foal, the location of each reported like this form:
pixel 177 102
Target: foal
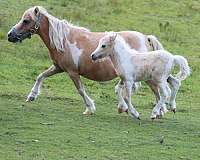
pixel 132 67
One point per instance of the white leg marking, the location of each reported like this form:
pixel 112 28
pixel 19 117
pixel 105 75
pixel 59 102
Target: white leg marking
pixel 36 89
pixel 90 107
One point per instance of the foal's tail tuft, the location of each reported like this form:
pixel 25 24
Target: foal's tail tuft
pixel 184 67
pixel 154 43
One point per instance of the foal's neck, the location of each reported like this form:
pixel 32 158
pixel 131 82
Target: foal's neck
pixel 121 53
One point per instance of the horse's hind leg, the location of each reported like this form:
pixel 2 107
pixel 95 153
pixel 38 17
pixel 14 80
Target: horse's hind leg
pixel 175 84
pixel 90 107
pixel 36 88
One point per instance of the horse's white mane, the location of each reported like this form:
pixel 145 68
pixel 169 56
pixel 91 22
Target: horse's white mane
pixel 58 29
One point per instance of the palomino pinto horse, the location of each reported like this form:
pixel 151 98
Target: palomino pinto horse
pixel 70 48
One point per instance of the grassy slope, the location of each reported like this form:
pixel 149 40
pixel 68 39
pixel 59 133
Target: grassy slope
pixel 53 126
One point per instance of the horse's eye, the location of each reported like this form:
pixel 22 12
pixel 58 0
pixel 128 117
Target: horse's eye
pixel 26 21
pixel 103 46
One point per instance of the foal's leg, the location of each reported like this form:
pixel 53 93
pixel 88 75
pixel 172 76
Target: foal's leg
pixel 122 106
pixel 36 88
pixel 175 84
pixel 163 97
pixel 134 113
pixel 154 88
pixel 90 107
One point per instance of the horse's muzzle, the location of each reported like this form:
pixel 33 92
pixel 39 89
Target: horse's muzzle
pixel 14 37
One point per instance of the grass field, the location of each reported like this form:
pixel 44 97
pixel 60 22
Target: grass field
pixel 53 127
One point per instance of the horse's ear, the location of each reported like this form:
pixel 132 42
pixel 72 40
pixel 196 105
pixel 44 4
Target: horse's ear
pixel 36 11
pixel 113 36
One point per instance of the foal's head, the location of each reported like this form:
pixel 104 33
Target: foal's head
pixel 105 46
pixel 28 25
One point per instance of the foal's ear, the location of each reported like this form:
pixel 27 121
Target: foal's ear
pixel 113 36
pixel 36 11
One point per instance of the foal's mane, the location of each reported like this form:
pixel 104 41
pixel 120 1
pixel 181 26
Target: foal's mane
pixel 121 43
pixel 58 30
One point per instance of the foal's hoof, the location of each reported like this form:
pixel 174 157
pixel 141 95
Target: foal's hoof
pixel 29 99
pixel 87 113
pixel 135 116
pixel 153 117
pixel 159 116
pixel 120 110
pixel 174 110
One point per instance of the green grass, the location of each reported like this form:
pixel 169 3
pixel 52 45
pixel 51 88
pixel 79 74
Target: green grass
pixel 53 127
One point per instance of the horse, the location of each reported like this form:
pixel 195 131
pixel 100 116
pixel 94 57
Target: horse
pixel 134 67
pixel 70 47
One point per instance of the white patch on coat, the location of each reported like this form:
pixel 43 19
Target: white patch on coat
pixel 75 52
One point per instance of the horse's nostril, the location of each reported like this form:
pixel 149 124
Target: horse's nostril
pixel 9 34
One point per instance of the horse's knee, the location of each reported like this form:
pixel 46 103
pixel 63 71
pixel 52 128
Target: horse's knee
pixel 81 92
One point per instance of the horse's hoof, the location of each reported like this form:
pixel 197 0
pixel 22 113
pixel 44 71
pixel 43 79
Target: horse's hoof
pixel 29 99
pixel 126 111
pixel 139 118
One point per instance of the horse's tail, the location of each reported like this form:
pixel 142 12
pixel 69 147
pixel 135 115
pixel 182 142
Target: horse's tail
pixel 184 67
pixel 154 43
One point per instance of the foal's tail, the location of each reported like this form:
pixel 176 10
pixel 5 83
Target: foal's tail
pixel 154 43
pixel 184 67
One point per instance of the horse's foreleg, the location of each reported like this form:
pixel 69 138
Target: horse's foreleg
pixel 90 107
pixel 36 88
pixel 128 86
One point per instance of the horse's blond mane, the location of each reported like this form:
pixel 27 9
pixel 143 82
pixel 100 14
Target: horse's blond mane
pixel 58 29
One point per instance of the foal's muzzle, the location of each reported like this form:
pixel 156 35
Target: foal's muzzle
pixel 14 37
pixel 94 57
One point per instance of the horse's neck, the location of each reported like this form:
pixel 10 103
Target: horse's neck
pixel 43 32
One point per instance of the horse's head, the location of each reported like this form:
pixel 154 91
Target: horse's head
pixel 104 47
pixel 28 25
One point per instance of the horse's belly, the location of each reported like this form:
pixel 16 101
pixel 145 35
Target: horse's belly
pixel 98 71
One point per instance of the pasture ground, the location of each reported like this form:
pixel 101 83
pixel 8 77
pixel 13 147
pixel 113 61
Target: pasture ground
pixel 53 127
